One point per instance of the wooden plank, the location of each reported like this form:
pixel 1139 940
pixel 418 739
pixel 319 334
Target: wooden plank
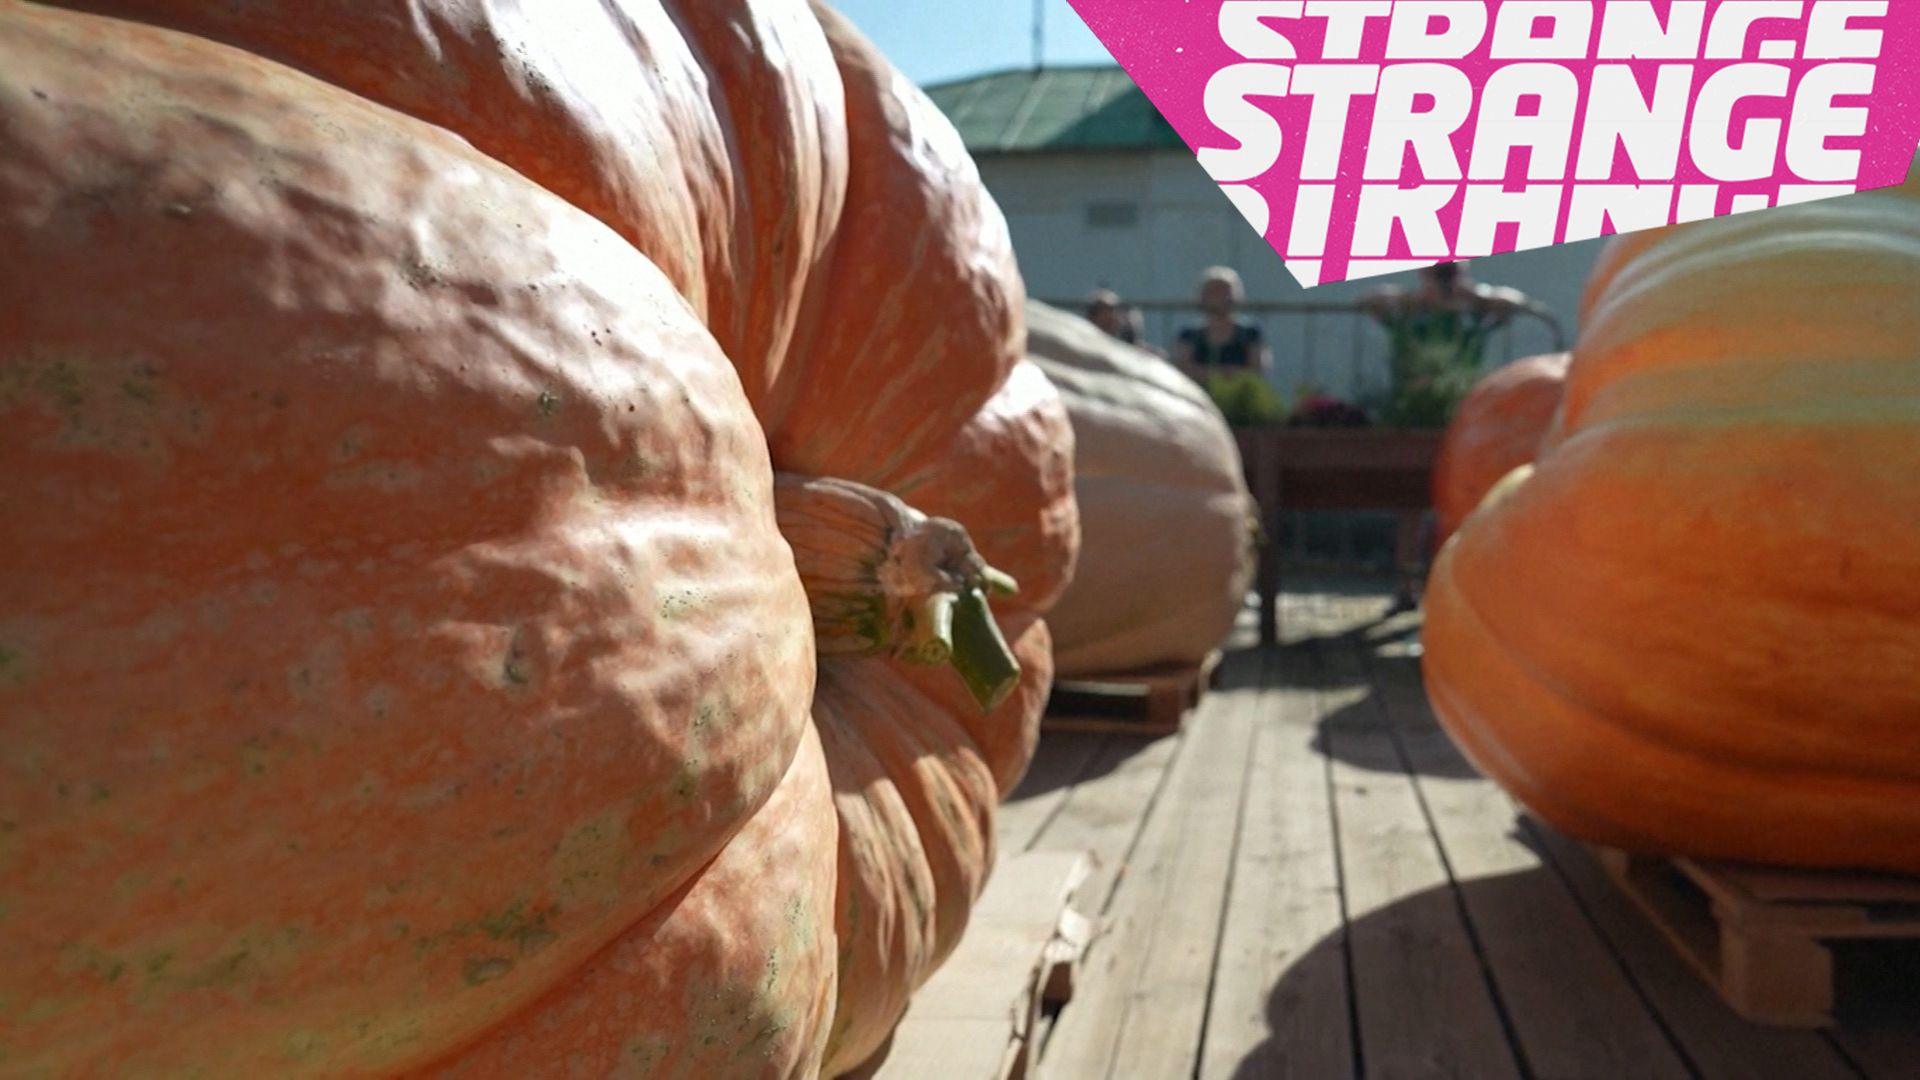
pixel 1781 978
pixel 1279 1003
pixel 1809 902
pixel 1172 676
pixel 1151 701
pixel 1572 1009
pixel 1059 761
pixel 1155 719
pixel 1139 1009
pixel 1717 1042
pixel 1422 998
pixel 972 1018
pixel 1106 810
pixel 1845 887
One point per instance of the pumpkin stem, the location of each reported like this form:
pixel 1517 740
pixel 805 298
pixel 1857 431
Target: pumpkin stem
pixel 980 654
pixel 885 579
pixel 932 641
pixel 999 583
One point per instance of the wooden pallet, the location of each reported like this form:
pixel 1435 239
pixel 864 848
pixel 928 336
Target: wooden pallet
pixel 1151 701
pixel 979 1017
pixel 1759 935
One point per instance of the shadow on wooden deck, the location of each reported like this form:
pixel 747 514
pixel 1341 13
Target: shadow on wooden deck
pixel 1309 881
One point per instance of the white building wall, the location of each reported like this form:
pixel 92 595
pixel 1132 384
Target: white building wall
pixel 1071 236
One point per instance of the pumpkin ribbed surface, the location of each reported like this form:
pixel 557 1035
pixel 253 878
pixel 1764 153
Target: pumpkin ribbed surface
pixel 1496 429
pixel 404 668
pixel 1694 625
pixel 1165 512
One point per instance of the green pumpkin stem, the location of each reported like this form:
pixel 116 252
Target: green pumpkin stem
pixel 933 629
pixel 980 654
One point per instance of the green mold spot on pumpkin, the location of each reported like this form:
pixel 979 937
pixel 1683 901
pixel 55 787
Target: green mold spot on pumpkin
pixel 529 932
pixel 225 971
pixel 589 861
pixel 548 403
pixel 686 780
pixel 642 1056
pixel 381 1034
pixel 93 961
pixel 255 761
pixel 419 273
pixel 155 966
pixel 679 603
pixel 131 885
pixel 302 1045
pixel 768 1033
pixel 485 969
pixel 61 383
pixel 142 392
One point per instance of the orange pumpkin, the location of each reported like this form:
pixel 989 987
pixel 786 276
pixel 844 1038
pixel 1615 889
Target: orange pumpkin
pixel 404 667
pixel 1496 429
pixel 1693 626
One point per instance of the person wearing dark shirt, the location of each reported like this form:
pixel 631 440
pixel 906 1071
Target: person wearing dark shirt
pixel 1222 343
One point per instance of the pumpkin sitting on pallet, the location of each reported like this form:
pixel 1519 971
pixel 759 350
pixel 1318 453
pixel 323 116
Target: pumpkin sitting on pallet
pixel 1496 429
pixel 1693 626
pixel 1165 514
pixel 402 664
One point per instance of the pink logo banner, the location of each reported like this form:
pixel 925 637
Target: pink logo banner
pixel 1363 137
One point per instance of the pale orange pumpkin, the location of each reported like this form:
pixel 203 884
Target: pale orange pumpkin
pixel 403 664
pixel 1168 525
pixel 1693 625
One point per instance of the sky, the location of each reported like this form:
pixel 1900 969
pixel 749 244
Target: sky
pixel 938 40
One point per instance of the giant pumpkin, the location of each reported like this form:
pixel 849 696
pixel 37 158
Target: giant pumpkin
pixel 1693 625
pixel 1166 520
pixel 1496 429
pixel 407 652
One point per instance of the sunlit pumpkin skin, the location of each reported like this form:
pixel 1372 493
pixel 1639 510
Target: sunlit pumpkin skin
pixel 711 134
pixel 357 690
pixel 769 163
pixel 705 985
pixel 1167 520
pixel 1694 626
pixel 800 271
pixel 1496 429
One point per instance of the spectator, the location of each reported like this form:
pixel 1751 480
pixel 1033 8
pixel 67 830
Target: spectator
pixel 1438 333
pixel 1105 311
pixel 1222 343
pixel 1118 320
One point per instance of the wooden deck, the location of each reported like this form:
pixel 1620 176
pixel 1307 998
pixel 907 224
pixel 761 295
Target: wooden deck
pixel 1309 881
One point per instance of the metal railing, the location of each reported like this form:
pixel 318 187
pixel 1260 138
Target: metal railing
pixel 1335 347
pixel 1332 345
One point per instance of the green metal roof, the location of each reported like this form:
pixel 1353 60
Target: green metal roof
pixel 1060 108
